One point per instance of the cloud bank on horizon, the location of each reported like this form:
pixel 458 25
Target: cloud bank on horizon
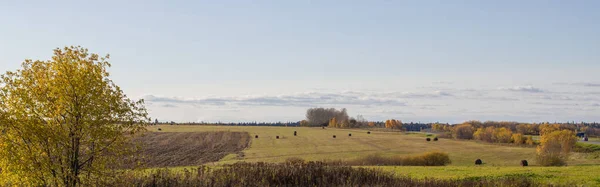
pixel 426 104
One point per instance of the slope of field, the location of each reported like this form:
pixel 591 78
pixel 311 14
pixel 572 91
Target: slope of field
pixel 571 175
pixel 169 149
pixel 317 144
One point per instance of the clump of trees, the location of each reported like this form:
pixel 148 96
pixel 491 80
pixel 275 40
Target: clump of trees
pixel 64 122
pixel 323 116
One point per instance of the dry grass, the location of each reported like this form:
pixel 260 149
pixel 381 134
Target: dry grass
pixel 171 149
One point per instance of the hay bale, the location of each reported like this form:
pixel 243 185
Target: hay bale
pixel 294 133
pixel 350 134
pixel 256 136
pixel 368 132
pixel 435 139
pixel 277 137
pixel 524 163
pixel 333 136
pixel 323 127
pixel 428 139
pixel 159 129
pixel 478 162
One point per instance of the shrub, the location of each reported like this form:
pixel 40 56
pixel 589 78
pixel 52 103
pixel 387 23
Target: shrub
pixel 478 162
pixel 428 139
pixel 435 139
pixel 427 159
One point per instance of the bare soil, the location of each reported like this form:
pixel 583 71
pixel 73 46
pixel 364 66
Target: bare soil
pixel 171 149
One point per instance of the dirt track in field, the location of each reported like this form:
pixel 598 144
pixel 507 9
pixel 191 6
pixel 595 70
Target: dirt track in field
pixel 171 149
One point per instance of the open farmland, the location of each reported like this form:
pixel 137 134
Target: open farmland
pixel 317 144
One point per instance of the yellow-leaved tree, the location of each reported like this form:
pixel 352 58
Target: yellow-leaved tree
pixel 555 147
pixel 63 122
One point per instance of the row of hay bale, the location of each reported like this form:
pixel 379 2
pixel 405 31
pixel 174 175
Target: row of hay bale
pixel 349 134
pixel 434 139
pixel 523 162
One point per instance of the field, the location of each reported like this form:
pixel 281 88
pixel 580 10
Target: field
pixel 316 144
pixel 190 148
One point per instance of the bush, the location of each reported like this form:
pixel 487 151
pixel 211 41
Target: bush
pixel 427 159
pixel 428 139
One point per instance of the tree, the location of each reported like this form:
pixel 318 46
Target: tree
pixel 555 147
pixel 333 122
pixel 64 122
pixel 304 123
pixel 502 135
pixel 464 131
pixel 393 124
pixel 344 124
pixel 518 138
pixel 371 124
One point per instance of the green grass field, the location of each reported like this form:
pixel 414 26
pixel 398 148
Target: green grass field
pixel 316 144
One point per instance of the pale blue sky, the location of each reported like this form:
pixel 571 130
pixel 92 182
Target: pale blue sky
pixel 270 60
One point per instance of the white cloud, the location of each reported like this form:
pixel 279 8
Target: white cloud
pixel 529 89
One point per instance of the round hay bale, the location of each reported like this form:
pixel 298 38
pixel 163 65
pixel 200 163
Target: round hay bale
pixel 478 162
pixel 350 134
pixel 294 133
pixel 333 136
pixel 159 129
pixel 524 163
pixel 368 132
pixel 256 136
pixel 428 139
pixel 323 127
pixel 277 137
pixel 435 139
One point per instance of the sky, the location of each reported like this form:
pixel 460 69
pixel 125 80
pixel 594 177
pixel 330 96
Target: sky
pixel 420 61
